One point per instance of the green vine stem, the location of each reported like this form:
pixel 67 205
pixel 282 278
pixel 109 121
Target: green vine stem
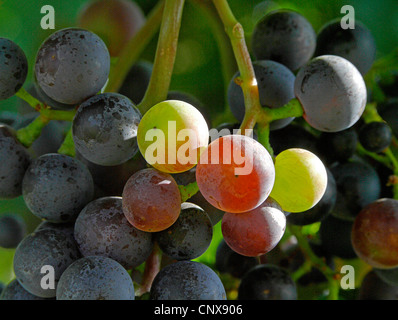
pixel 159 83
pixel 188 191
pixel 31 132
pixel 314 261
pixel 68 146
pixel 134 48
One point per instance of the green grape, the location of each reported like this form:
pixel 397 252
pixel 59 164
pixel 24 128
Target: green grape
pixel 300 180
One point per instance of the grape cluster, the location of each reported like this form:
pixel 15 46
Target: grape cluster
pixel 125 186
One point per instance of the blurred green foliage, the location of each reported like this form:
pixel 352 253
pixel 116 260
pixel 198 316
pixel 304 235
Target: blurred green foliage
pixel 198 66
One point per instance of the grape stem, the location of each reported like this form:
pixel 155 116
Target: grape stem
pixel 188 191
pixel 152 268
pixel 133 49
pixel 166 51
pixel 315 261
pixel 68 146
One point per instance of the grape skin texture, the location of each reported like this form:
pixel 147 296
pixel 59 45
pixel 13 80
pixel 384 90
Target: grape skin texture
pixel 101 229
pixel 151 200
pixel 14 291
pixel 187 280
pixel 95 278
pixel 375 233
pixel 14 161
pixel 356 45
pixel 72 65
pixel 375 136
pixel 275 87
pixel 13 68
pixel 235 173
pixel 255 232
pixel 267 282
pixel 374 288
pixel 45 247
pixel 284 36
pixel 189 237
pixel 56 187
pixel 332 93
pixel 12 231
pixel 105 129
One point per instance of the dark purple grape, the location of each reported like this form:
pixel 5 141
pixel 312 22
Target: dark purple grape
pixel 111 179
pixel 375 136
pixel 356 45
pixel 373 288
pixel 389 112
pixel 12 231
pixel 72 65
pixel 137 80
pixel 105 129
pixel 95 278
pixel 15 160
pixel 41 249
pixel 267 282
pixel 56 187
pixel 321 210
pixel 67 229
pixel 284 36
pixel 229 261
pixel 275 85
pixel 338 146
pixel 332 93
pixel 101 229
pixel 189 237
pixel 389 276
pixel 13 68
pixel 14 291
pixel 358 184
pixel 187 280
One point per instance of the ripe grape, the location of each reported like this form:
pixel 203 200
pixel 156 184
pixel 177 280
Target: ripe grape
pixel 300 180
pixel 389 276
pixel 151 200
pixel 389 112
pixel 72 65
pixel 255 232
pixel 14 291
pixel 284 36
pixel 332 93
pixel 374 288
pixel 235 173
pixel 43 248
pixel 15 159
pixel 267 282
pixel 56 187
pixel 137 80
pixel 95 278
pixel 322 209
pixel 115 21
pixel 13 68
pixel 187 280
pixel 66 228
pixel 357 45
pixel 101 229
pixel 181 135
pixel 375 136
pixel 229 261
pixel 275 87
pixel 105 129
pixel 358 184
pixel 375 234
pixel 189 237
pixel 12 231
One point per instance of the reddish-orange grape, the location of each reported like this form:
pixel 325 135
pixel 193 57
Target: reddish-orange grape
pixel 235 173
pixel 375 234
pixel 151 200
pixel 115 21
pixel 256 232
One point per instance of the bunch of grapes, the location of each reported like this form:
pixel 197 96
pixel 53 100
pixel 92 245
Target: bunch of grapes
pixel 132 179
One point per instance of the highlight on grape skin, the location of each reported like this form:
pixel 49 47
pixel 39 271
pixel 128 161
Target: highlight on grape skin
pixel 300 180
pixel 172 135
pixel 235 173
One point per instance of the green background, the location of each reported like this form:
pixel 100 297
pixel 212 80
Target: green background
pixel 198 67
